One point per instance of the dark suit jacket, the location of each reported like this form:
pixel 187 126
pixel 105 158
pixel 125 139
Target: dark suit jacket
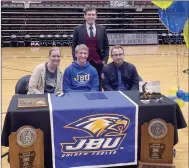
pixel 79 37
pixel 129 77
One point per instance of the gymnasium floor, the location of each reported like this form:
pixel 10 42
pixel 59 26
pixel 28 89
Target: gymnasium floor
pixel 153 62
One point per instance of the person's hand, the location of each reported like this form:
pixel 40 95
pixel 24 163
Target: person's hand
pixel 104 63
pixel 60 94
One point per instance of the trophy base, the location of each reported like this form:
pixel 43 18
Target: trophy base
pixel 155 165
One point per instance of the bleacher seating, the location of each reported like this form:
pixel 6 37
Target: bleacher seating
pixel 60 18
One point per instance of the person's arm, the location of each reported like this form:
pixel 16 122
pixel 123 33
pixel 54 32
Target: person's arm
pixel 135 79
pixel 59 87
pixel 67 81
pixel 105 47
pixel 74 43
pixel 95 81
pixel 34 81
pixel 105 81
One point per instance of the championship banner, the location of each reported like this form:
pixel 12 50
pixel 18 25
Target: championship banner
pixel 93 130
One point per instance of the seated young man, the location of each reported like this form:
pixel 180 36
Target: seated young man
pixel 119 75
pixel 80 76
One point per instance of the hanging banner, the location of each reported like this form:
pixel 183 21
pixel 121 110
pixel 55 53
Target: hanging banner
pixel 123 38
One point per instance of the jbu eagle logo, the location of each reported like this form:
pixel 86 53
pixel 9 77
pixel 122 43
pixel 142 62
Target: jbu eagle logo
pixel 82 77
pixel 105 133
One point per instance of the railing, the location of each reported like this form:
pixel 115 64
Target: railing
pixel 79 4
pixel 78 19
pixel 70 29
pixel 78 13
pixel 77 24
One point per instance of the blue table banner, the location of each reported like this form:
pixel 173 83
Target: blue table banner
pixel 93 132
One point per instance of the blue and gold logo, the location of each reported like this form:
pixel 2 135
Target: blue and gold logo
pixel 105 133
pixel 82 77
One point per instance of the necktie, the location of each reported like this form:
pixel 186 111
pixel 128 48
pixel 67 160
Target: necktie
pixel 91 31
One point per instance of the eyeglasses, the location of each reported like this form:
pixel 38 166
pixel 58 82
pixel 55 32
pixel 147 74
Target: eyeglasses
pixel 115 55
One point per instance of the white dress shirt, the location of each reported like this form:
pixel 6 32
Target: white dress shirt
pixel 88 30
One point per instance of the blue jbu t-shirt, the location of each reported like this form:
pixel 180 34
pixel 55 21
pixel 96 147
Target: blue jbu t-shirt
pixel 50 81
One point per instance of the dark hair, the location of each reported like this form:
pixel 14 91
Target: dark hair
pixel 116 47
pixel 89 8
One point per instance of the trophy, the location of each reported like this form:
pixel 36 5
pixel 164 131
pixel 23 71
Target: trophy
pixel 26 148
pixel 157 144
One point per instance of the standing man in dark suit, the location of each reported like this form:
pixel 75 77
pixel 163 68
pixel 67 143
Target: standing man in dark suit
pixel 94 36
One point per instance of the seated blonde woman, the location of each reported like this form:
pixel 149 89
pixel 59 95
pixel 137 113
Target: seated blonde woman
pixel 47 77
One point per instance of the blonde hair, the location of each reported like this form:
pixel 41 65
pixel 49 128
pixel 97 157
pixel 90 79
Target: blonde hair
pixel 54 49
pixel 81 47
